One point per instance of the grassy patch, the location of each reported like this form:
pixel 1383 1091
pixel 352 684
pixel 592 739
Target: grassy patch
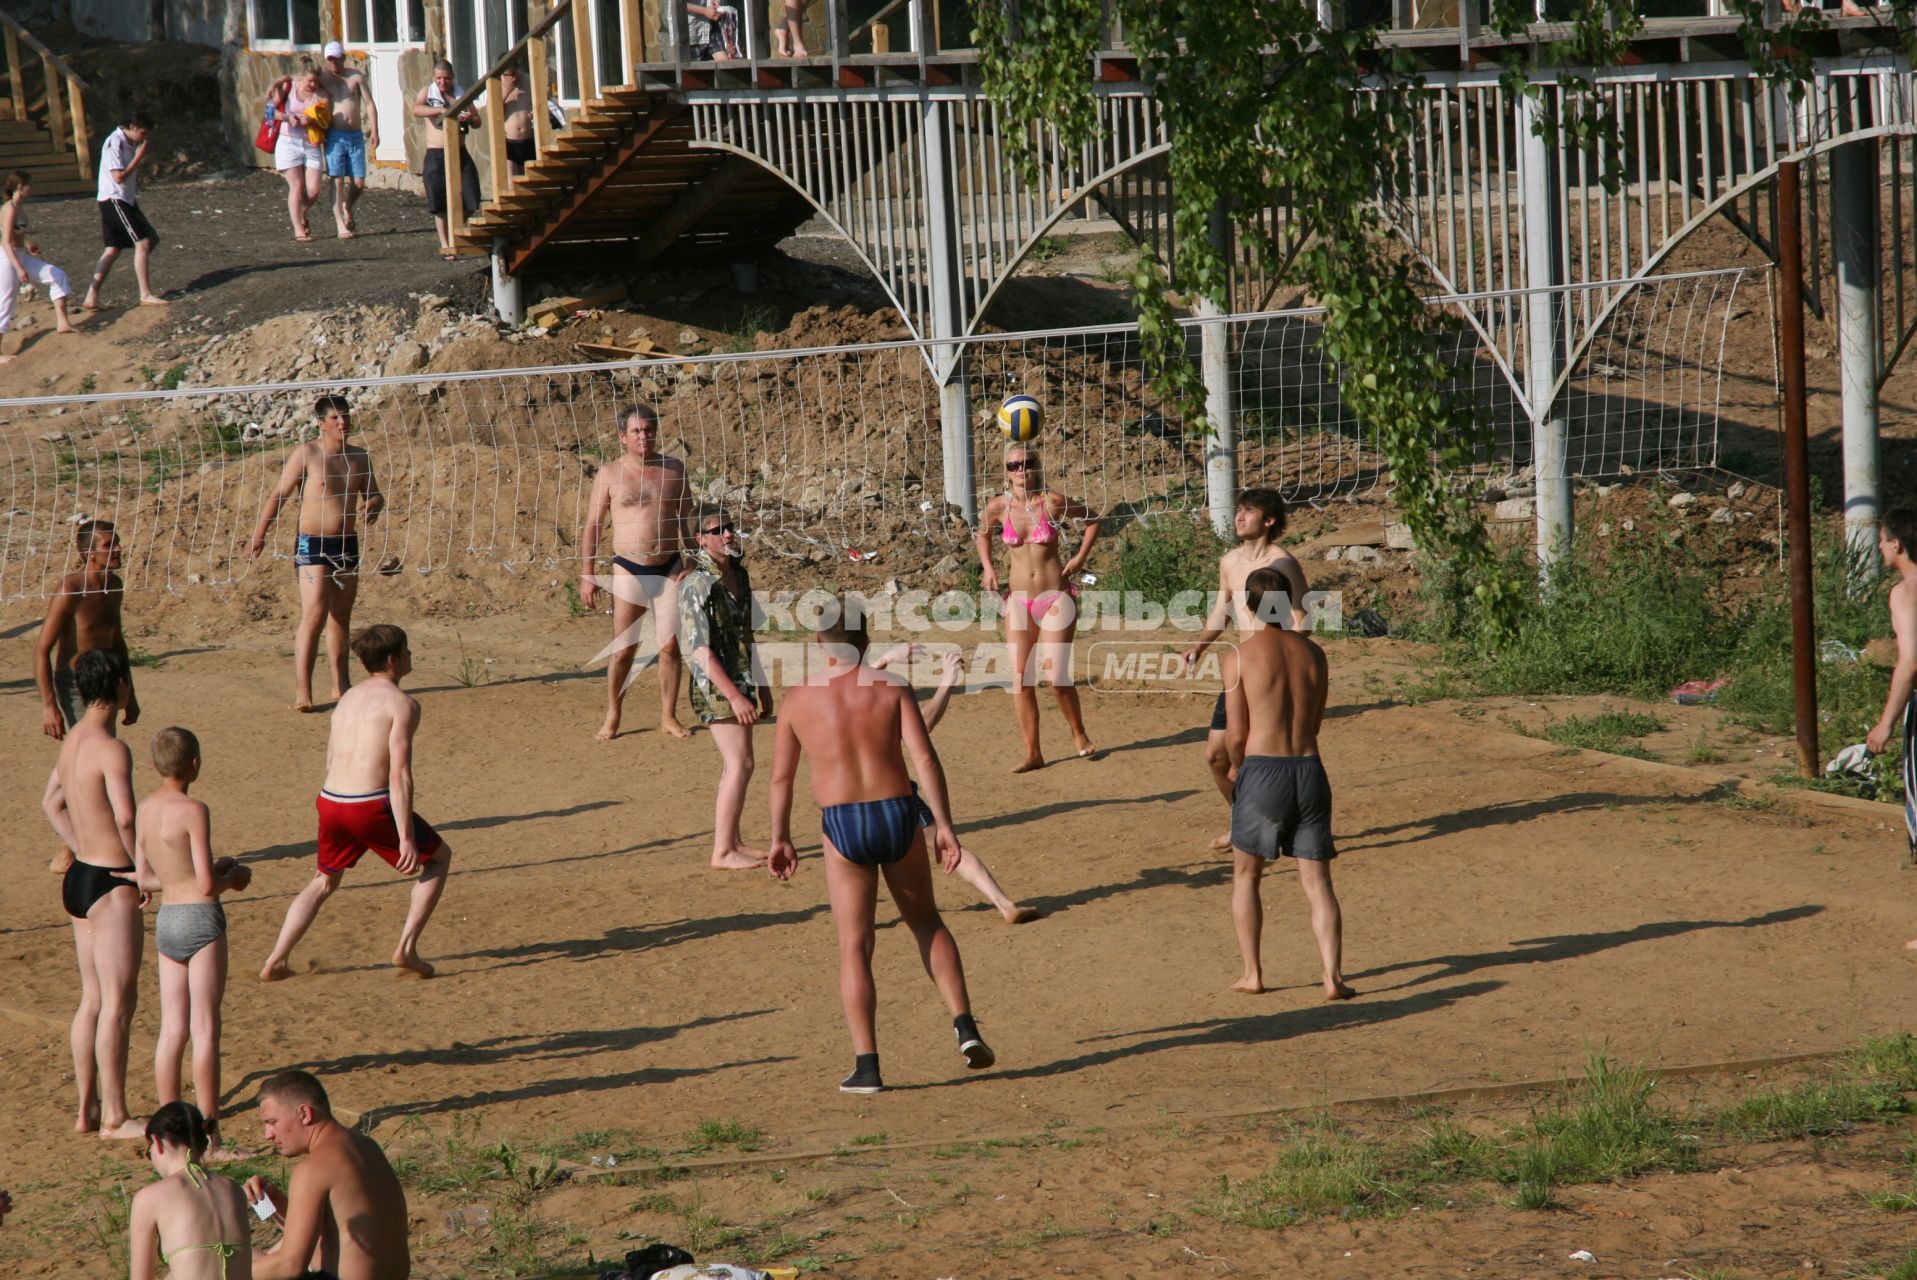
pixel 710 1135
pixel 1606 731
pixel 1174 553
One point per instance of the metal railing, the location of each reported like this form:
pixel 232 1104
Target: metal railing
pixel 61 94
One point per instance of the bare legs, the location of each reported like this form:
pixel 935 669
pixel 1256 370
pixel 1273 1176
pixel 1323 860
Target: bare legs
pixel 1044 653
pixel 107 945
pixel 303 186
pixel 629 600
pixel 190 996
pixel 853 891
pixel 1218 760
pixel 326 603
pixel 346 193
pixel 1248 919
pixel 976 874
pixel 142 259
pixel 427 888
pixel 729 849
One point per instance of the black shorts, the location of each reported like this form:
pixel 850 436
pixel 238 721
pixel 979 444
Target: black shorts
pixel 435 179
pixel 519 150
pixel 1282 805
pixel 1218 713
pixel 122 225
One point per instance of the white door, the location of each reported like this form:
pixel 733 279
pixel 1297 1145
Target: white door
pixel 377 32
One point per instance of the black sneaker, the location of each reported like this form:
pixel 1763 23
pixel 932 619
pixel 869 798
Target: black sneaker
pixel 864 1079
pixel 978 1054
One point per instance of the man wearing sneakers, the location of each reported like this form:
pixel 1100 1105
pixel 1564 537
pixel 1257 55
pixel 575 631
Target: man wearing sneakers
pixel 853 721
pixel 122 225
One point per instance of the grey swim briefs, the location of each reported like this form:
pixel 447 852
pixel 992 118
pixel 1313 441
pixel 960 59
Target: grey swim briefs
pixel 184 928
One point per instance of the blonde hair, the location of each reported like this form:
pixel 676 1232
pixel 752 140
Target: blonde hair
pixel 174 751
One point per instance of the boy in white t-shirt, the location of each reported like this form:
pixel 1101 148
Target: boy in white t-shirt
pixel 122 225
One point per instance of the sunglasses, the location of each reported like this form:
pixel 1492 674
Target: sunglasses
pixel 716 530
pixel 1022 464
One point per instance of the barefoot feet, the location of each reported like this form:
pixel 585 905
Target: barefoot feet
pixel 1252 984
pixel 1028 764
pixel 276 971
pixel 610 729
pixel 409 963
pixel 741 857
pixel 1339 991
pixel 88 1121
pixel 154 300
pixel 128 1130
pixel 671 727
pixel 1221 844
pixel 1016 914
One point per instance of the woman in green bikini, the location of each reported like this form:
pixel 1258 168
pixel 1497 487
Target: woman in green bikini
pixel 193 1221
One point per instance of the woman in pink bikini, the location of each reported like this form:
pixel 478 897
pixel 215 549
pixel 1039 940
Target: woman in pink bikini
pixel 1041 608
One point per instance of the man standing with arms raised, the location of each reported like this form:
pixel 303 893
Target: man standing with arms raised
pixel 645 494
pixel 367 803
pixel 344 1210
pixel 335 482
pixel 83 615
pixel 346 142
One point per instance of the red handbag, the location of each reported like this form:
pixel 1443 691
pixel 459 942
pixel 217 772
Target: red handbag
pixel 268 138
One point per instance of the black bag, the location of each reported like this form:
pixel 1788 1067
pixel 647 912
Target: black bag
pixel 643 1264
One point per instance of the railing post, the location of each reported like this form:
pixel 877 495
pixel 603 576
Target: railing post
pixel 1214 361
pixel 1544 347
pixel 56 116
pixel 948 320
pixel 539 76
pixel 1790 337
pixel 925 40
pixel 838 29
pixel 496 136
pixel 758 34
pixel 455 180
pixel 583 52
pixel 674 12
pixel 16 76
pixel 82 144
pixel 633 14
pixel 1469 13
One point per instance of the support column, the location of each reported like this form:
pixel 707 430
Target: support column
pixel 1214 357
pixel 508 297
pixel 1853 198
pixel 1544 337
pixel 948 319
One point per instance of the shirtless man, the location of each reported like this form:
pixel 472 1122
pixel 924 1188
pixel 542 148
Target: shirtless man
pixel 84 614
pixel 1258 522
pixel 1897 546
pixel 430 104
pixel 346 142
pixel 515 101
pixel 1274 702
pixel 95 819
pixel 337 490
pixel 645 493
pixel 344 1211
pixel 853 720
pixel 367 803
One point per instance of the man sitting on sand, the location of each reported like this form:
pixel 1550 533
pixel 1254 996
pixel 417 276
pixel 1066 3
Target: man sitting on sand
pixel 344 1210
pixel 367 803
pixel 1281 804
pixel 853 720
pixel 335 483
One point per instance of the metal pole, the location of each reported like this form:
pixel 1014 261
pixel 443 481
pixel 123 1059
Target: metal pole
pixel 1790 326
pixel 955 409
pixel 1543 305
pixel 1853 194
pixel 1214 360
pixel 508 297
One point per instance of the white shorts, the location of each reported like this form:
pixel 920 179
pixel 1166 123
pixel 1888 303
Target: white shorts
pixel 293 151
pixel 44 272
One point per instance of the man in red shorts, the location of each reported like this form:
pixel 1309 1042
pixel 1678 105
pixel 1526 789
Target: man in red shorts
pixel 367 802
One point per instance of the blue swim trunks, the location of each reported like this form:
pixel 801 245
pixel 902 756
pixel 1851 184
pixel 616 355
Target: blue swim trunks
pixel 338 552
pixel 876 833
pixel 345 153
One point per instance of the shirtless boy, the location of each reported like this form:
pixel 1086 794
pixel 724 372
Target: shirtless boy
pixel 1259 522
pixel 95 819
pixel 853 720
pixel 344 1211
pixel 645 494
pixel 83 615
pixel 1274 702
pixel 1897 545
pixel 516 104
pixel 347 142
pixel 430 104
pixel 173 856
pixel 367 803
pixel 335 482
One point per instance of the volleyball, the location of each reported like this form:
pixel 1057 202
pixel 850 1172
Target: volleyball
pixel 1020 417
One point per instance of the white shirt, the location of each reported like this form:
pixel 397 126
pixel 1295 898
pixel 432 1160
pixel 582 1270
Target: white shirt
pixel 118 154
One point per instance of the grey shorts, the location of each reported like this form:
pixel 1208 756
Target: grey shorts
pixel 66 695
pixel 183 929
pixel 1282 805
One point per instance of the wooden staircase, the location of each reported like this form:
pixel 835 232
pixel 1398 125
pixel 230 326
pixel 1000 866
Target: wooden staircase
pixel 43 123
pixel 622 183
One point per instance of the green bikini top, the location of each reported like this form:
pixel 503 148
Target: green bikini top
pixel 197 1176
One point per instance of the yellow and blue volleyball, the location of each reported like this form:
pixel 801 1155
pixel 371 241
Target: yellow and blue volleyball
pixel 1020 417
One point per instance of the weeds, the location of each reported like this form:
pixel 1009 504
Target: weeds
pixel 712 1134
pixel 1605 731
pixel 138 657
pixel 472 671
pixel 1174 553
pixel 1045 248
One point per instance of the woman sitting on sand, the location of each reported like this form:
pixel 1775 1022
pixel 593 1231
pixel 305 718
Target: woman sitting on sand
pixel 195 1222
pixel 19 260
pixel 1041 608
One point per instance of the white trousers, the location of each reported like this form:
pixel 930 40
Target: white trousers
pixel 43 272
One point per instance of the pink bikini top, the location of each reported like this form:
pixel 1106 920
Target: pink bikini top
pixel 1042 532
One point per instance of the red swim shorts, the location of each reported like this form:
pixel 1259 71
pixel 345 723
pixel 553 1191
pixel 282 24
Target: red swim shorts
pixel 350 825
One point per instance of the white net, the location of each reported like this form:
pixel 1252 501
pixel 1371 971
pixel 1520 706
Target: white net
pixel 818 453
